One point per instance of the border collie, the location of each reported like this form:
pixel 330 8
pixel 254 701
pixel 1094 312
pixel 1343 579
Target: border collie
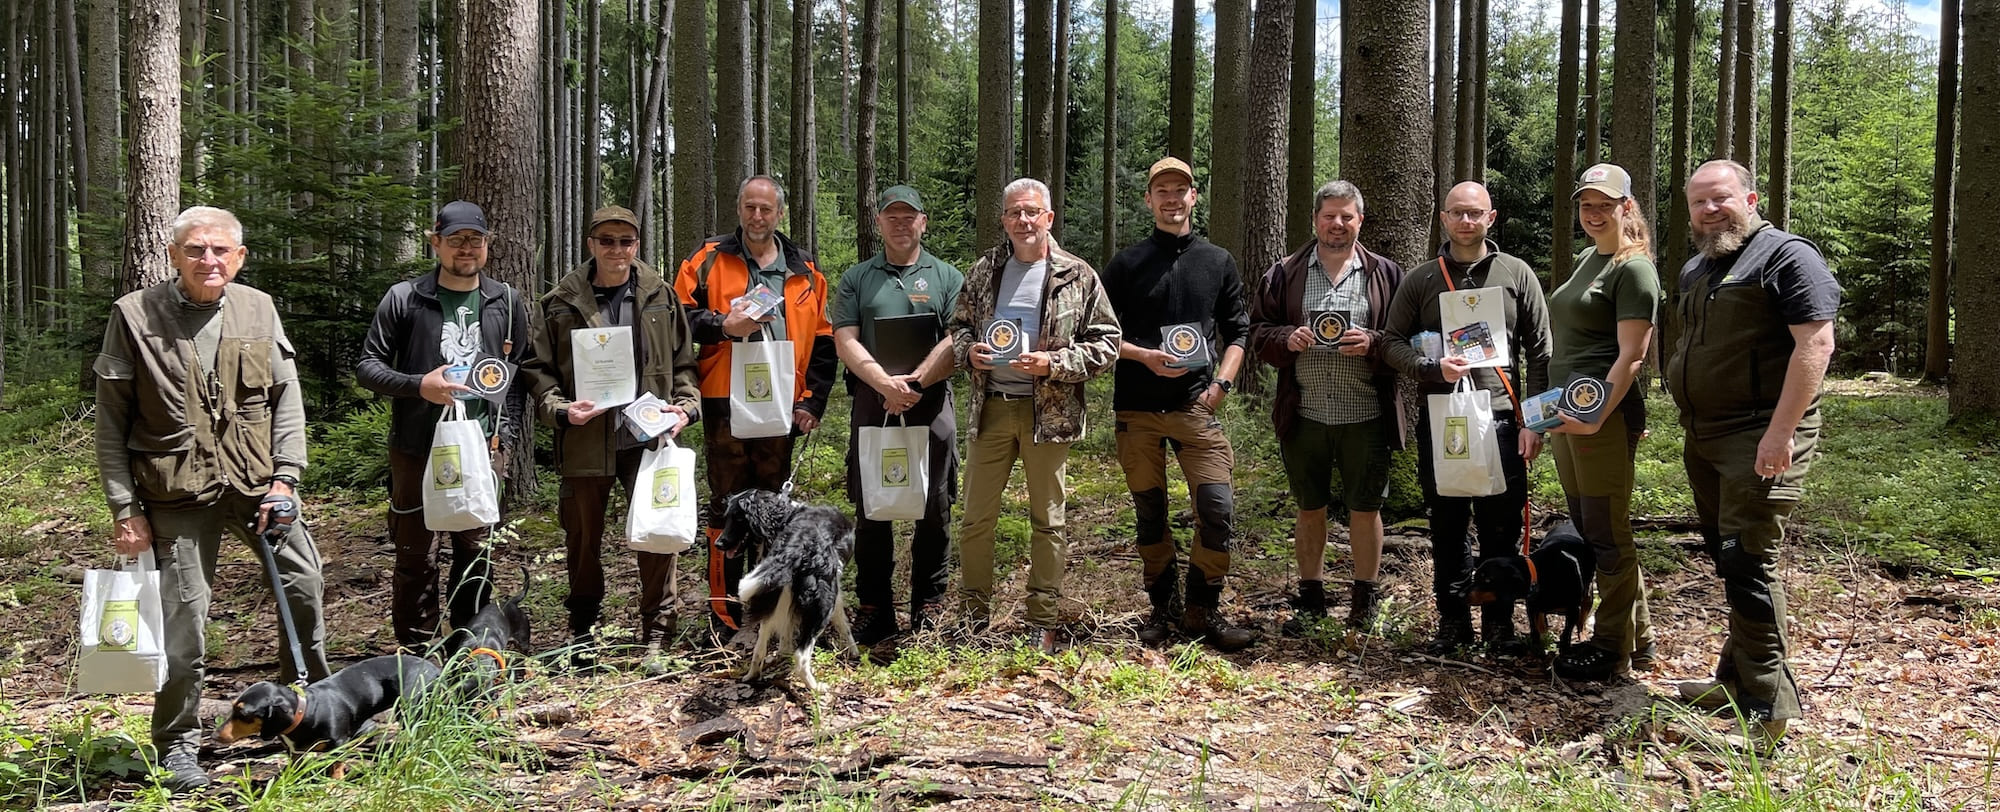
pixel 793 593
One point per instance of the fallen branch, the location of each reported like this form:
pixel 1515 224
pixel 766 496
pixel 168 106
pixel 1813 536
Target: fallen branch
pixel 1933 751
pixel 1460 663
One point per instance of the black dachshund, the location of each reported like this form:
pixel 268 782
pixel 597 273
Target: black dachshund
pixel 1558 583
pixel 793 594
pixel 326 714
pixel 491 644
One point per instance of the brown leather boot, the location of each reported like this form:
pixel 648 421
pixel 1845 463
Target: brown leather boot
pixel 1210 626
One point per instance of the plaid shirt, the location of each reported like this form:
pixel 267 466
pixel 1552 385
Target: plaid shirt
pixel 1336 389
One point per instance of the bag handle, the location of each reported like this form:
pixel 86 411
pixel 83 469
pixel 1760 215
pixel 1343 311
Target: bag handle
pixel 143 562
pixel 1527 505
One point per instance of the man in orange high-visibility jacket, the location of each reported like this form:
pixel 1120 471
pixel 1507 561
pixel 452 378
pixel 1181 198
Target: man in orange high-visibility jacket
pixel 710 283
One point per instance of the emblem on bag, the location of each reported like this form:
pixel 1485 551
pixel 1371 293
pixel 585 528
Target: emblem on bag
pixel 119 630
pixel 1328 326
pixel 1457 439
pixel 446 472
pixel 667 488
pixel 757 383
pixel 895 467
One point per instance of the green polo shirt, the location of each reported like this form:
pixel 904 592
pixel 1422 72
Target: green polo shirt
pixel 875 289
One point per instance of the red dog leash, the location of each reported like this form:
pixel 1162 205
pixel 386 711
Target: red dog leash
pixel 1527 506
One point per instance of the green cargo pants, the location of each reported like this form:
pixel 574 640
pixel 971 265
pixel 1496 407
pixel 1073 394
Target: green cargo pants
pixel 1743 520
pixel 186 544
pixel 1596 474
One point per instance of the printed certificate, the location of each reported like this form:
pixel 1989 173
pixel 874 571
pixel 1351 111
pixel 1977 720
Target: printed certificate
pixel 603 365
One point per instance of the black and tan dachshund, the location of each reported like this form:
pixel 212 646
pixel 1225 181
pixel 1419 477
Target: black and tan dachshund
pixel 793 594
pixel 326 714
pixel 491 645
pixel 1560 583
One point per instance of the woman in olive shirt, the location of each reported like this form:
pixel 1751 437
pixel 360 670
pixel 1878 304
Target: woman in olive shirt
pixel 1601 321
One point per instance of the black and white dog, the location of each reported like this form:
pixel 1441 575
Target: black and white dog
pixel 794 591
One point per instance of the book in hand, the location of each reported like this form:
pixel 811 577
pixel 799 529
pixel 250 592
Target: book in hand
pixel 648 417
pixel 1584 398
pixel 1006 338
pixel 1328 326
pixel 1187 344
pixel 1474 343
pixel 760 301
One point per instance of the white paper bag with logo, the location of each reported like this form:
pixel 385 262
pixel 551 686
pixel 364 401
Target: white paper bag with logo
pixel 123 638
pixel 460 490
pixel 1465 456
pixel 895 470
pixel 662 518
pixel 1475 325
pixel 760 387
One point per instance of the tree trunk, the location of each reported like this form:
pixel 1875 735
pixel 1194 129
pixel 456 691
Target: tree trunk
pixel 804 182
pixel 14 163
pixel 1593 82
pixel 1636 74
pixel 1384 146
pixel 846 79
pixel 194 85
pixel 153 153
pixel 1482 49
pixel 693 159
pixel 1265 158
pixel 996 118
pixel 1468 88
pixel 733 147
pixel 591 174
pixel 1937 316
pixel 1299 169
pixel 903 111
pixel 1228 103
pixel 1180 81
pixel 497 59
pixel 1108 232
pixel 1562 225
pixel 1058 179
pixel 864 152
pixel 1037 92
pixel 647 138
pixel 399 81
pixel 101 116
pixel 760 83
pixel 1744 150
pixel 1676 248
pixel 1975 390
pixel 1444 122
pixel 1780 188
pixel 1725 82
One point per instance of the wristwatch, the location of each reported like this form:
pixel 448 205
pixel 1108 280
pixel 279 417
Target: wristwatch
pixel 289 480
pixel 1227 385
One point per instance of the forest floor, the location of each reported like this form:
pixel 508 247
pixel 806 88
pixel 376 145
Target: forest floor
pixel 1900 673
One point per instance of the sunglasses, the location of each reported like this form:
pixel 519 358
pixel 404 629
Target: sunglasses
pixel 616 242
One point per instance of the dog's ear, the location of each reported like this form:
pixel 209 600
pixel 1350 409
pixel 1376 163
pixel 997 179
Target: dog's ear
pixel 768 513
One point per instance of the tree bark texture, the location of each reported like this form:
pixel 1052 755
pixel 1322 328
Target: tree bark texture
pixel 1058 179
pixel 1780 187
pixel 1593 82
pixel 1037 88
pixel 1482 49
pixel 1384 144
pixel 592 172
pixel 760 84
pixel 1676 246
pixel 1937 316
pixel 399 81
pixel 1725 83
pixel 996 117
pixel 101 112
pixel 1468 88
pixel 1228 101
pixel 903 110
pixel 734 150
pixel 1975 389
pixel 1744 147
pixel 1180 82
pixel 803 185
pixel 1634 80
pixel 648 138
pixel 153 154
pixel 693 138
pixel 1444 119
pixel 864 152
pixel 1267 93
pixel 1562 225
pixel 1108 231
pixel 1299 169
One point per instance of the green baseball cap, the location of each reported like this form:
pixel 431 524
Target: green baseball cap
pixel 899 194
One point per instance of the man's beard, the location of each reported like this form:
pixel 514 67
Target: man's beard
pixel 1727 240
pixel 1337 243
pixel 463 268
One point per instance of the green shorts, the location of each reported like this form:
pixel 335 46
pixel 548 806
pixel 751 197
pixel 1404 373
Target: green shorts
pixel 1359 451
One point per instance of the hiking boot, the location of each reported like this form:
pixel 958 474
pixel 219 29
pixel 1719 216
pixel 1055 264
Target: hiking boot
pixel 1045 639
pixel 1644 658
pixel 1588 663
pixel 184 772
pixel 1159 626
pixel 583 653
pixel 874 624
pixel 1766 736
pixel 1308 609
pixel 1707 694
pixel 926 616
pixel 1165 594
pixel 1453 635
pixel 1362 607
pixel 1496 627
pixel 1210 626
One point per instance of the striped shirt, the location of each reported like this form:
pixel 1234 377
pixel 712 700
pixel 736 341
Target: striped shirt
pixel 1336 389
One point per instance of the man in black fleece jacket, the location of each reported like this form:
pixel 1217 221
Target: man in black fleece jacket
pixel 1469 261
pixel 1176 281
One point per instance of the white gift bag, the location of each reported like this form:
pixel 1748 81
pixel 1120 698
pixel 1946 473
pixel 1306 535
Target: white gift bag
pixel 895 470
pixel 1475 325
pixel 761 376
pixel 1465 451
pixel 123 637
pixel 460 491
pixel 662 518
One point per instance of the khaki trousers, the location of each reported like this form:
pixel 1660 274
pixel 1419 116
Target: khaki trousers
pixel 1007 433
pixel 1207 461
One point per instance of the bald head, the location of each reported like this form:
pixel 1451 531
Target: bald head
pixel 1466 216
pixel 1470 194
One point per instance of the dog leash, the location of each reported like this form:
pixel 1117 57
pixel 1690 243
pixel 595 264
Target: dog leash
pixel 284 511
pixel 1527 505
pixel 795 467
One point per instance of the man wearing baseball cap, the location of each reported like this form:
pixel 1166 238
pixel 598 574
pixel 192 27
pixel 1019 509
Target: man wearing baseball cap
pixel 595 450
pixel 440 321
pixel 900 281
pixel 1168 393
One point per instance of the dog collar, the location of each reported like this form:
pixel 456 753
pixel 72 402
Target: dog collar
pixel 298 712
pixel 498 658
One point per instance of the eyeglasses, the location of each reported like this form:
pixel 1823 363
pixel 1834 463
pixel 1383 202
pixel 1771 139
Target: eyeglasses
pixel 1024 213
pixel 465 240
pixel 1466 214
pixel 616 242
pixel 199 251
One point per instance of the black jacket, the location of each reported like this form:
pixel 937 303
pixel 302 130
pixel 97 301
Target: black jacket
pixel 402 347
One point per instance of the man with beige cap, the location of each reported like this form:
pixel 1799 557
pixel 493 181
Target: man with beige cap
pixel 594 448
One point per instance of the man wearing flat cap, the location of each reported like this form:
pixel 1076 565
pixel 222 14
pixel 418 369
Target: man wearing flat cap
pixel 439 321
pixel 883 301
pixel 595 450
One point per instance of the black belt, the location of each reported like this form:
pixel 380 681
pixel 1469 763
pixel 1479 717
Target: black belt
pixel 1005 396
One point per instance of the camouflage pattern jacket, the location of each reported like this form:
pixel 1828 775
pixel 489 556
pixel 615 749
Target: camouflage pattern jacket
pixel 1079 332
